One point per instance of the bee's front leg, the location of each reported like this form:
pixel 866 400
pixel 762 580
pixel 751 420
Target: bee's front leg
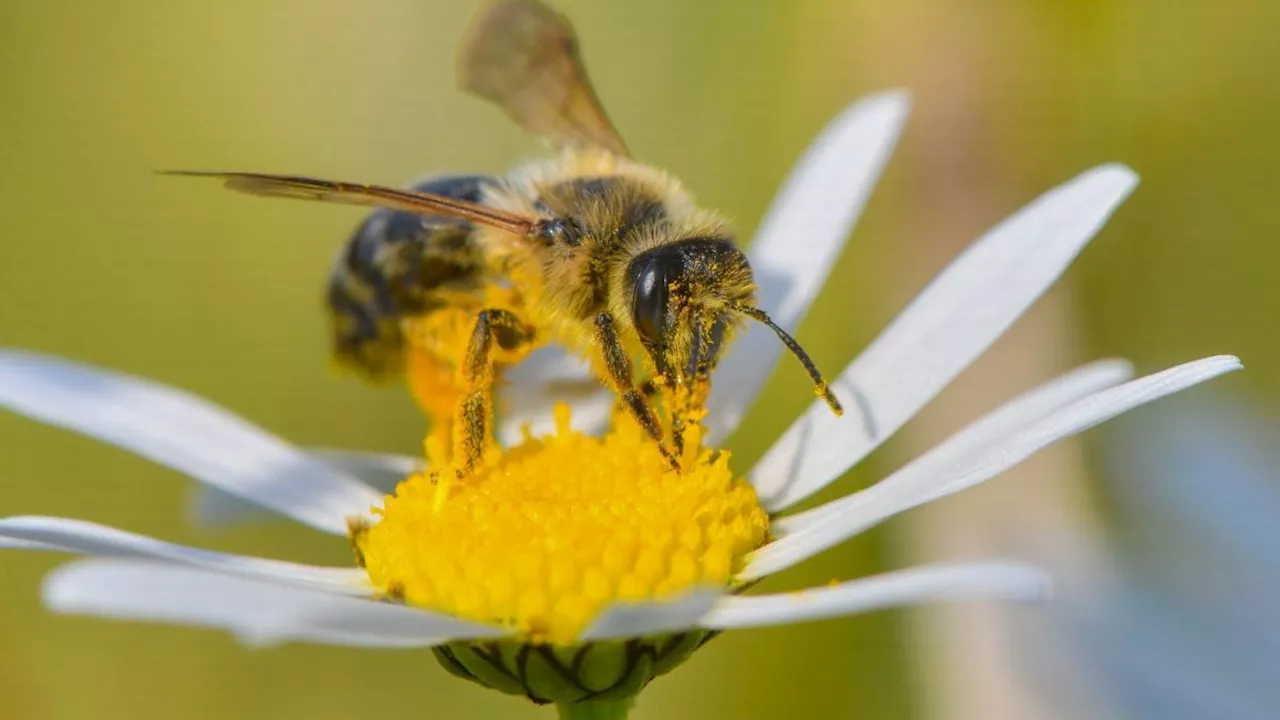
pixel 473 417
pixel 618 365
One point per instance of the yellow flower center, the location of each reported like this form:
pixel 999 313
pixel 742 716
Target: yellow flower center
pixel 543 537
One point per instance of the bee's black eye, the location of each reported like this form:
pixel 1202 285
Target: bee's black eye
pixel 651 274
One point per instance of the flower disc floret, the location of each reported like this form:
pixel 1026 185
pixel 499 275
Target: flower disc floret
pixel 544 537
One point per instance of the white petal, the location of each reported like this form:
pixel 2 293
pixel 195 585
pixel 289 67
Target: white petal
pixel 342 638
pixel 213 508
pixel 380 471
pixel 624 620
pixel 1001 422
pixel 961 312
pixel 943 472
pixel 256 610
pixel 183 432
pixel 548 376
pixel 15 544
pixel 913 586
pixel 78 536
pixel 800 239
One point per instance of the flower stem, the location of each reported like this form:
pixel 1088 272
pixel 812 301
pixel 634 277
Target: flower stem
pixel 595 709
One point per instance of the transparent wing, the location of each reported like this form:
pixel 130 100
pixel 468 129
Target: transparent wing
pixel 414 201
pixel 523 56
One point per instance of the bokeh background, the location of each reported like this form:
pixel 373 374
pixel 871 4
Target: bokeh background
pixel 102 261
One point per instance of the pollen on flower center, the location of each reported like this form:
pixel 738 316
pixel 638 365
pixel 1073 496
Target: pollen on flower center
pixel 544 537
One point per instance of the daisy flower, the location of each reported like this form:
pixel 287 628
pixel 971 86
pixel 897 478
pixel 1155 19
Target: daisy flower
pixel 574 568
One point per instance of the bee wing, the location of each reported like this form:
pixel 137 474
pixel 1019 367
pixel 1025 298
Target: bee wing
pixel 414 201
pixel 523 56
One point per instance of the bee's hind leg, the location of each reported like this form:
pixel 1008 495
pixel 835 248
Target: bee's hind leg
pixel 473 418
pixel 618 365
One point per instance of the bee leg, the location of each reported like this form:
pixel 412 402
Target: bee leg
pixel 618 365
pixel 677 428
pixel 649 389
pixel 687 402
pixel 473 417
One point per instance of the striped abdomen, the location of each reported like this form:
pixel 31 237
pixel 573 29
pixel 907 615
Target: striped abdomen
pixel 397 265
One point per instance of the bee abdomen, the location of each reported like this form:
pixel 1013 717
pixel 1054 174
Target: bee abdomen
pixel 394 266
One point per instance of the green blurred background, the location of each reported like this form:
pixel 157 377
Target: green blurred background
pixel 102 261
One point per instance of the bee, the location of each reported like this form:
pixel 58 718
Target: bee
pixel 452 280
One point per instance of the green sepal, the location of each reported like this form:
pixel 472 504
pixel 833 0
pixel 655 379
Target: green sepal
pixel 678 649
pixel 486 664
pixel 579 674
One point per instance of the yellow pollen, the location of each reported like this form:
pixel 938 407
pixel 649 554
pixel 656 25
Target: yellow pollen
pixel 543 537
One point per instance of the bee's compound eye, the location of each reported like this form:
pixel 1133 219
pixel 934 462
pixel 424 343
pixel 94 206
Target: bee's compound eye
pixel 650 303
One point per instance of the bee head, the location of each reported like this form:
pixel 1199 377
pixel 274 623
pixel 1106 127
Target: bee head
pixel 682 299
pixel 687 296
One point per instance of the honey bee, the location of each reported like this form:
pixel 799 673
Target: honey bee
pixel 452 280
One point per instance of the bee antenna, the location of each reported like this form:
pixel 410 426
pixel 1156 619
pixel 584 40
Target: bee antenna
pixel 819 384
